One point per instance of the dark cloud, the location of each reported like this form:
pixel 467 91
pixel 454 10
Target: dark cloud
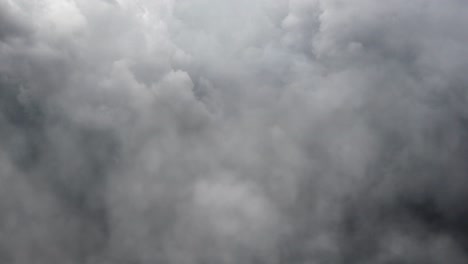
pixel 301 131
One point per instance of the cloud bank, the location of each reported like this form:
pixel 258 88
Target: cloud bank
pixel 203 131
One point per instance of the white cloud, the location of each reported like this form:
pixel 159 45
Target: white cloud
pixel 341 125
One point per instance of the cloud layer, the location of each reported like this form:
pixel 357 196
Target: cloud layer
pixel 203 131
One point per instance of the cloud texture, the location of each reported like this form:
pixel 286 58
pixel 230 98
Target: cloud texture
pixel 205 131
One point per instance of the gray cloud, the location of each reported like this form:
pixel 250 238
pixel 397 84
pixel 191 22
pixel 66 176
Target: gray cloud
pixel 301 131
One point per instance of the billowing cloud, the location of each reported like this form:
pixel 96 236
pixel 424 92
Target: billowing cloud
pixel 204 131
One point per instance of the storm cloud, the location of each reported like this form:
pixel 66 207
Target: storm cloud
pixel 217 131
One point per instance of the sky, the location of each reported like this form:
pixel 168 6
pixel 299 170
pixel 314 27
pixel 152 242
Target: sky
pixel 233 132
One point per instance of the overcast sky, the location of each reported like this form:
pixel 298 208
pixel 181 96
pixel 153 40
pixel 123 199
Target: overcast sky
pixel 233 131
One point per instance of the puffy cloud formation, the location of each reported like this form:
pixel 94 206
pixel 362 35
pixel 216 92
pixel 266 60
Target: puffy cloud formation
pixel 207 131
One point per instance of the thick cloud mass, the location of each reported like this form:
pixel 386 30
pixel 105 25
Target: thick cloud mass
pixel 218 131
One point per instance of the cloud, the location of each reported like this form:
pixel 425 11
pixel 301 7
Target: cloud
pixel 301 131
